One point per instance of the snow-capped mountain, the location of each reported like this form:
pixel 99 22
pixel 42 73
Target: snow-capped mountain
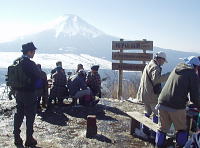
pixel 71 35
pixel 67 34
pixel 71 25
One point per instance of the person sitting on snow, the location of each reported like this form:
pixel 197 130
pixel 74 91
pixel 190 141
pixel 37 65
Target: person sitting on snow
pixel 78 87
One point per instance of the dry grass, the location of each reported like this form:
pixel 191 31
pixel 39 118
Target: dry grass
pixel 129 87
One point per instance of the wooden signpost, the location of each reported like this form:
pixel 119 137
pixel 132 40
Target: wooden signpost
pixel 122 45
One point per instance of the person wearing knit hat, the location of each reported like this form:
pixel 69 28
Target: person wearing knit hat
pixel 192 61
pixel 93 80
pixel 95 67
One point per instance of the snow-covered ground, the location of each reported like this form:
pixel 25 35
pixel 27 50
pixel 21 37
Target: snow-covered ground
pixel 70 61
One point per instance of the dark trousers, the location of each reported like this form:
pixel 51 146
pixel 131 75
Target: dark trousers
pixel 26 106
pixel 41 95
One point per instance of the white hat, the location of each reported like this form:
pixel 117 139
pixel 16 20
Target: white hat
pixel 161 54
pixel 192 60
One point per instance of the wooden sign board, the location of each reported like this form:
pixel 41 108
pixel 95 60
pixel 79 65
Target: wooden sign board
pixel 132 56
pixel 128 67
pixel 145 45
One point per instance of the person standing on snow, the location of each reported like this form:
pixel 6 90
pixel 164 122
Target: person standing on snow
pixel 26 95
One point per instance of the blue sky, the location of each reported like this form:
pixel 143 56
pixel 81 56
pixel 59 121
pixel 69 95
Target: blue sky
pixel 169 23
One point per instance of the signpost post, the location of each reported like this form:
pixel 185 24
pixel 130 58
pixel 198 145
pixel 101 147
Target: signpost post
pixel 122 56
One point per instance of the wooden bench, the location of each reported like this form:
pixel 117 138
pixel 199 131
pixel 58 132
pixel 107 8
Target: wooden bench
pixel 137 118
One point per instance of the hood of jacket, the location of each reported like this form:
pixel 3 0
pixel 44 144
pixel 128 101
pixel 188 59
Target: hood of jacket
pixel 182 67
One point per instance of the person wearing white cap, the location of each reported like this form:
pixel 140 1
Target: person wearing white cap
pixel 150 88
pixel 172 101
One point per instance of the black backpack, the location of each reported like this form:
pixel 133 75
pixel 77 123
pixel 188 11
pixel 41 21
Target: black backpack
pixel 16 77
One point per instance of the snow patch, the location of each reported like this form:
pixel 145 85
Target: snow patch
pixel 70 61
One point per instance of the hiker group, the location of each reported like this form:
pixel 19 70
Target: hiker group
pixel 169 103
pixel 30 86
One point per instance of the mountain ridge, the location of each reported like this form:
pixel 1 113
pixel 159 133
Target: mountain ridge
pixel 69 34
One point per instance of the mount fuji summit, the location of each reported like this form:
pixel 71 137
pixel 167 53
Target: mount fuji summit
pixel 66 34
pixel 71 35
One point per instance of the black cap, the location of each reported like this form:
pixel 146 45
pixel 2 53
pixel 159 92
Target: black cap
pixel 80 65
pixel 95 67
pixel 28 47
pixel 58 63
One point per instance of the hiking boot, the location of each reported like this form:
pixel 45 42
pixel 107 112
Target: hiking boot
pixel 30 142
pixel 18 141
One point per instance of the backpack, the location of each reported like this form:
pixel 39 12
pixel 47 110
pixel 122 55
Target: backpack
pixel 16 77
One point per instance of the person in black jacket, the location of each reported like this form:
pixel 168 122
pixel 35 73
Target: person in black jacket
pixel 58 65
pixel 59 89
pixel 93 81
pixel 26 97
pixel 79 67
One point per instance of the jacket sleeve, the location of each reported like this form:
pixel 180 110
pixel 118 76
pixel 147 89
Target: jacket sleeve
pixel 156 76
pixel 98 82
pixel 82 84
pixel 45 81
pixel 194 90
pixel 65 79
pixel 88 79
